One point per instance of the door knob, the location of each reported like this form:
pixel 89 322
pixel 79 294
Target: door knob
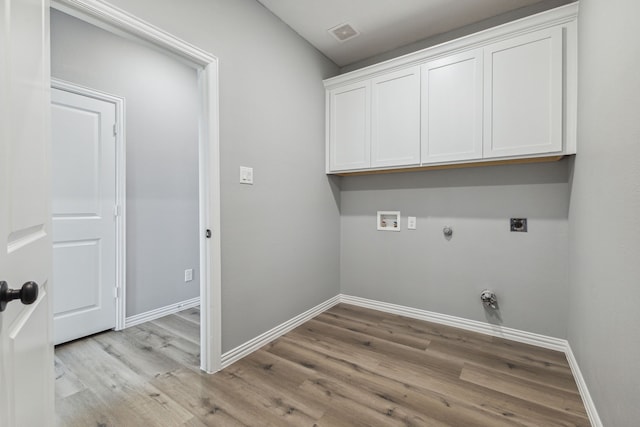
pixel 27 294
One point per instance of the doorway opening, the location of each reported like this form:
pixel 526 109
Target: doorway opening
pixel 205 65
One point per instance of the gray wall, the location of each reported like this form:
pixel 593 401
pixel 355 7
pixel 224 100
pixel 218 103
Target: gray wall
pixel 162 154
pixel 280 237
pixel 421 269
pixel 604 313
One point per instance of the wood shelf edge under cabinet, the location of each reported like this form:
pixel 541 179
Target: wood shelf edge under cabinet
pixel 454 166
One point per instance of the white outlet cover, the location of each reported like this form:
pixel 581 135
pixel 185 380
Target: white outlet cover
pixel 411 223
pixel 246 175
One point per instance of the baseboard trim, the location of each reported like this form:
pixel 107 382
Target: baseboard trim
pixel 252 345
pixel 459 322
pixel 161 312
pixel 592 412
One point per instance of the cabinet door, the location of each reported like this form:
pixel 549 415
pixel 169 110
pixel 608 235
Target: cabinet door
pixel 452 108
pixel 350 127
pixel 523 95
pixel 395 118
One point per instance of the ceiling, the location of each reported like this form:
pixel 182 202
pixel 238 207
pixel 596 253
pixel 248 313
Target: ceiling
pixel 383 24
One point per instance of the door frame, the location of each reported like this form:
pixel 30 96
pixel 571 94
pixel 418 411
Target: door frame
pixel 121 196
pixel 123 23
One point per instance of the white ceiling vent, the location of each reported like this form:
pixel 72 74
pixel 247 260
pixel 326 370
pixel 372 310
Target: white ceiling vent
pixel 344 32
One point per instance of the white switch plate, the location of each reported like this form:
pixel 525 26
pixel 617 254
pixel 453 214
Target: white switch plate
pixel 188 275
pixel 246 175
pixel 411 223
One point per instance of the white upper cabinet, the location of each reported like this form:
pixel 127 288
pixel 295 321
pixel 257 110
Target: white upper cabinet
pixel 452 108
pixel 395 118
pixel 350 127
pixel 523 95
pixel 504 94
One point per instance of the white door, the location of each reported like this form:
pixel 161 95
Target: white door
pixel 395 119
pixel 84 212
pixel 350 127
pixel 26 349
pixel 452 108
pixel 523 95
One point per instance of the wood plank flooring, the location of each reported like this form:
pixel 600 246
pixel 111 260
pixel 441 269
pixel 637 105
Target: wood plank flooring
pixel 349 366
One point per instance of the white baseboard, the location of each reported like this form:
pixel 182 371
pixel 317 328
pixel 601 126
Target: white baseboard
pixel 592 412
pixel 250 346
pixel 493 330
pixel 161 312
pixel 459 322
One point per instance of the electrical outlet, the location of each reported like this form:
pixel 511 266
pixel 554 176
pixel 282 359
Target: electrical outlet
pixel 519 225
pixel 411 223
pixel 188 275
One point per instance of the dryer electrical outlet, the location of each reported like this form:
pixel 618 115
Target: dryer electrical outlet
pixel 519 225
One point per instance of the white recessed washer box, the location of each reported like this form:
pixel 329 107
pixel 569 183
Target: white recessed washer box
pixel 389 220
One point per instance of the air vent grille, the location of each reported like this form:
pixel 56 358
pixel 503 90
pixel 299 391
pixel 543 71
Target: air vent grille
pixel 344 32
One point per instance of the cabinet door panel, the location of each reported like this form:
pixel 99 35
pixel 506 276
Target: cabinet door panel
pixel 452 108
pixel 523 95
pixel 350 127
pixel 395 116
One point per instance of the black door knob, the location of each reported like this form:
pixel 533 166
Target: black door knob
pixel 27 294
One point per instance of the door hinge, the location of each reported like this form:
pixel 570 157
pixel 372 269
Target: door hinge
pixel 115 129
pixel 116 211
pixel 116 292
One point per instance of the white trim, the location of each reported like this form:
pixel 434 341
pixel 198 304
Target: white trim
pixel 210 248
pixel 121 180
pixel 150 315
pixel 571 87
pixel 117 20
pixel 252 345
pixel 99 12
pixel 592 412
pixel 459 322
pixel 327 131
pixel 558 16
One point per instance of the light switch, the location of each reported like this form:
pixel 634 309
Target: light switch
pixel 411 223
pixel 188 275
pixel 246 175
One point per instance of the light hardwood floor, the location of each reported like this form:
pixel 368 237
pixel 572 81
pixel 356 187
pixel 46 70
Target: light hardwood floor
pixel 349 366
